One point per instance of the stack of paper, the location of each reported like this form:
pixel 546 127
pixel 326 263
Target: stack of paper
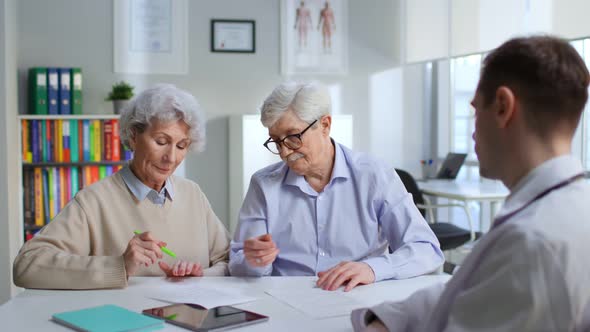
pixel 316 302
pixel 204 297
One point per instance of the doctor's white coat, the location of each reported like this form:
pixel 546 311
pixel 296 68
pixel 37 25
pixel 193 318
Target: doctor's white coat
pixel 531 273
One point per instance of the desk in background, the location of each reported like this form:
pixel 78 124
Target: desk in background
pixel 492 192
pixel 32 309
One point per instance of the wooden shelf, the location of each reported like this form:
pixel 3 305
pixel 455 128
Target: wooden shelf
pixel 32 227
pixel 69 164
pixel 69 117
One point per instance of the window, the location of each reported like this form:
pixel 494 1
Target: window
pixel 582 139
pixel 464 75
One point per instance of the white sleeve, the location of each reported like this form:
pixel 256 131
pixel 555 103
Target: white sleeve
pixel 400 316
pixel 516 288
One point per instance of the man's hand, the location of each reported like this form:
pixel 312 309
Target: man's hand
pixel 354 273
pixel 260 251
pixel 375 326
pixel 142 249
pixel 182 269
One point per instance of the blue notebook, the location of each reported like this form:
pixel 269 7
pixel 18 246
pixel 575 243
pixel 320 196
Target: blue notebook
pixel 107 318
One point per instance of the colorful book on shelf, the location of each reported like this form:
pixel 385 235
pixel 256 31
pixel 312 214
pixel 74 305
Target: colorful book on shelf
pixel 109 169
pixel 87 176
pixel 41 140
pixel 45 140
pixel 94 174
pixel 116 143
pixel 35 140
pixel 56 140
pixel 108 140
pixel 28 203
pixel 74 181
pixel 68 186
pixel 56 193
pixel 86 139
pixel 25 140
pixel 65 127
pixel 64 91
pixel 98 135
pixel 52 189
pixel 92 140
pixel 46 211
pixel 31 195
pixel 63 191
pixel 80 140
pixel 42 135
pixel 37 90
pixel 107 318
pixel 102 172
pixel 74 150
pixel 76 86
pixel 51 138
pixel 39 215
pixel 52 91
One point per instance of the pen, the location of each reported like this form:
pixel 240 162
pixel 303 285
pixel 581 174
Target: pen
pixel 164 249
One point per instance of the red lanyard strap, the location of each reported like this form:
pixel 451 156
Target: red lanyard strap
pixel 501 220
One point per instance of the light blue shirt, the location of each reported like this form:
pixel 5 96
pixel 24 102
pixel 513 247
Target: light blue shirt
pixel 141 191
pixel 362 212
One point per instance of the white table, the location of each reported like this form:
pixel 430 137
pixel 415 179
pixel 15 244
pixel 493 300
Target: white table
pixel 32 309
pixel 493 192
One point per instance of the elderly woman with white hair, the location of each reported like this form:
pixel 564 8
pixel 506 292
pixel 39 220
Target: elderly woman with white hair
pixel 91 243
pixel 325 210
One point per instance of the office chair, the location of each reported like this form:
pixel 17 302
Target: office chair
pixel 449 235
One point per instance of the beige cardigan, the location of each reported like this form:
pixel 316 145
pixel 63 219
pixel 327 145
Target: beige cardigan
pixel 82 247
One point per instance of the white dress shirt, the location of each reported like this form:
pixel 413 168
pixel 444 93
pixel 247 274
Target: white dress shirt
pixel 529 273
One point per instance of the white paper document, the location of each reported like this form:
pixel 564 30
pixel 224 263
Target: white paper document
pixel 205 297
pixel 318 303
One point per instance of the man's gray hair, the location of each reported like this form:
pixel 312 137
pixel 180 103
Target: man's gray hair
pixel 309 101
pixel 166 103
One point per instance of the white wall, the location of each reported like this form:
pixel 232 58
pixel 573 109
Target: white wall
pixel 79 33
pixel 9 172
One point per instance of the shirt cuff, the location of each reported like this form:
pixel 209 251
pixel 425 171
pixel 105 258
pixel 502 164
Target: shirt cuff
pixel 379 265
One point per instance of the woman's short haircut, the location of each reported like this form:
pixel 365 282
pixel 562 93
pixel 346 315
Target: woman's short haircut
pixel 547 75
pixel 166 103
pixel 309 101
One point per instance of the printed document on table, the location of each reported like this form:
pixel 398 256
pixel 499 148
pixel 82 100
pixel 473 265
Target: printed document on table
pixel 318 303
pixel 205 297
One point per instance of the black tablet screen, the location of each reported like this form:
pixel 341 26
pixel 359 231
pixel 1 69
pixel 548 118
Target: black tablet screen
pixel 197 318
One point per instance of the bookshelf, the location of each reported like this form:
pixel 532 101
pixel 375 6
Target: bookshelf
pixel 60 155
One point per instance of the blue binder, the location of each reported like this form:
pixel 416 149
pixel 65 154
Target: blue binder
pixel 65 106
pixel 52 91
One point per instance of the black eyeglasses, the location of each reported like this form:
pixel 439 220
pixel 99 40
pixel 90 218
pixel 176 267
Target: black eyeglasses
pixel 292 142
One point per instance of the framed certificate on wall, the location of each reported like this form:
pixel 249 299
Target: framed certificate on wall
pixel 150 37
pixel 233 36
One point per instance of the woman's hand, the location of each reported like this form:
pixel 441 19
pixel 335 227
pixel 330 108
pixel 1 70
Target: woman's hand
pixel 182 269
pixel 142 249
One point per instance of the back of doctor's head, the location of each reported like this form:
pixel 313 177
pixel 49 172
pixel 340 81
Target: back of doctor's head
pixel 547 76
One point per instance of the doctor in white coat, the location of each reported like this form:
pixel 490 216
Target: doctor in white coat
pixel 531 271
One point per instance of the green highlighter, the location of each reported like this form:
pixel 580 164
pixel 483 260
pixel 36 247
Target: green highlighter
pixel 164 249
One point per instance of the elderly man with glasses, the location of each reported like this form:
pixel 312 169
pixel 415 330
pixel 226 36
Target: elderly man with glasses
pixel 325 210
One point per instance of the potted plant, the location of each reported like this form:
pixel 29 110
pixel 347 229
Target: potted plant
pixel 120 95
